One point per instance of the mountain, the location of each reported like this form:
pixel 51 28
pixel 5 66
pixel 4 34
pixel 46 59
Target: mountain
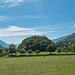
pixel 59 39
pixel 68 41
pixel 3 44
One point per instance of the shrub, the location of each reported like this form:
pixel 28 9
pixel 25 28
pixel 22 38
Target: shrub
pixel 22 51
pixel 37 51
pixel 30 51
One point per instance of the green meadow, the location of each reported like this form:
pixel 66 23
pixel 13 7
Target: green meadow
pixel 50 65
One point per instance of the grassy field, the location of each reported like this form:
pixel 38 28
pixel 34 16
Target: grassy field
pixel 51 65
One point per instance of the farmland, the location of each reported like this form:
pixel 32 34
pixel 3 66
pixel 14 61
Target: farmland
pixel 51 65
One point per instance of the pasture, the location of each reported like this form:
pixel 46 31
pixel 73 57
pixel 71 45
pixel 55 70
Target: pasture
pixel 51 65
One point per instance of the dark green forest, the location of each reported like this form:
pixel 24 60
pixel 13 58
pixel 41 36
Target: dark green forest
pixel 36 43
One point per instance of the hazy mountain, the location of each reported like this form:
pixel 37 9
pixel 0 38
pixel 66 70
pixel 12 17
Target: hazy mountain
pixel 59 39
pixel 3 44
pixel 68 41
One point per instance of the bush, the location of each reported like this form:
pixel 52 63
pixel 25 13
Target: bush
pixel 73 51
pixel 30 51
pixel 22 51
pixel 37 51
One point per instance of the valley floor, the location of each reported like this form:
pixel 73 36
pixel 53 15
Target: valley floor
pixel 50 65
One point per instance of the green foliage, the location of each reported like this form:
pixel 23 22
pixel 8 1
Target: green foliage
pixel 73 47
pixel 12 48
pixel 66 51
pixel 6 50
pixel 30 51
pixel 67 42
pixel 35 43
pixel 73 51
pixel 37 51
pixel 63 50
pixel 59 50
pixel 22 51
pixel 51 48
pixel 1 50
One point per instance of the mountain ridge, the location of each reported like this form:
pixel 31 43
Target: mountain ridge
pixel 68 41
pixel 59 39
pixel 4 44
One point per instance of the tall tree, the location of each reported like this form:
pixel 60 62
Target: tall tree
pixel 51 48
pixel 73 47
pixel 59 50
pixel 12 48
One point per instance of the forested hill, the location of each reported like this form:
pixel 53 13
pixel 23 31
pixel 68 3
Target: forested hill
pixel 35 43
pixel 68 41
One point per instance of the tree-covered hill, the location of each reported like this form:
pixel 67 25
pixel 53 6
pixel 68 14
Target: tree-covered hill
pixel 35 43
pixel 68 41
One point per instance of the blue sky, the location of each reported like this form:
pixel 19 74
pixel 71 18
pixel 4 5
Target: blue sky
pixel 23 18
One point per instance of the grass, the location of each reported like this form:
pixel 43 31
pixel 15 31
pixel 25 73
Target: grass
pixel 51 65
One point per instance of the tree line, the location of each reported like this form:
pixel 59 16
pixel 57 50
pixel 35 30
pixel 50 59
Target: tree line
pixel 38 44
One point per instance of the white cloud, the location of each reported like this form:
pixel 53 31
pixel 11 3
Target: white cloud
pixel 13 3
pixel 15 34
pixel 12 31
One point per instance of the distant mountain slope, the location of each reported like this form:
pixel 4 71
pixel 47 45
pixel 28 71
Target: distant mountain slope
pixel 3 44
pixel 59 39
pixel 68 41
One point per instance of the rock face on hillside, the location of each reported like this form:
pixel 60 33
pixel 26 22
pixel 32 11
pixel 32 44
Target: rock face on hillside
pixel 35 43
